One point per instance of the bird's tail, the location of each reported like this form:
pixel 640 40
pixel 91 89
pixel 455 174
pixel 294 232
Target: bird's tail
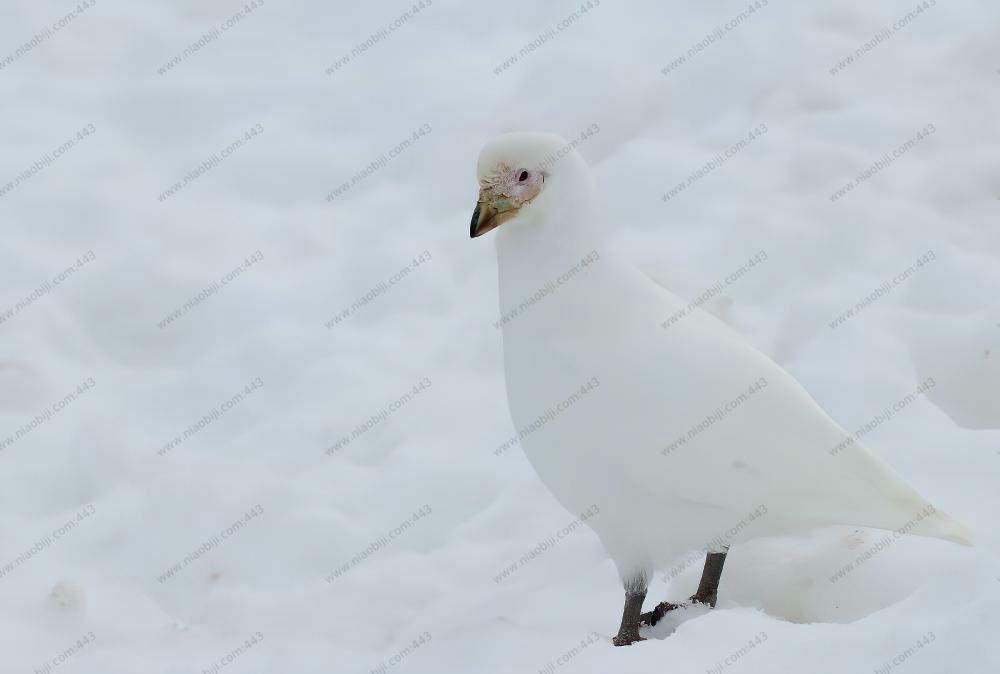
pixel 938 524
pixel 899 506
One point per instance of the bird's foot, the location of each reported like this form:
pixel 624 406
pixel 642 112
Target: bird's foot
pixel 652 617
pixel 627 637
pixel 707 598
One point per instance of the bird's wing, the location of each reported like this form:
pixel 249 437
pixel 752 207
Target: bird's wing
pixel 751 434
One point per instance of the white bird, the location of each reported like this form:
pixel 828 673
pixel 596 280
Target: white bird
pixel 657 417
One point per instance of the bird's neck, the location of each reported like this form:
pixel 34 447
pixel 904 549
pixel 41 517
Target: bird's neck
pixel 560 237
pixel 533 256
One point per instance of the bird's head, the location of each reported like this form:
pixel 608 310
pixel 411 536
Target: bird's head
pixel 526 179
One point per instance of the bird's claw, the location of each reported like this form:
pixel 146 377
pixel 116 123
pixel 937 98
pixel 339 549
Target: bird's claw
pixel 708 598
pixel 627 638
pixel 652 617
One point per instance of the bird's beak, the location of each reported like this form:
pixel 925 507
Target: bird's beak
pixel 491 212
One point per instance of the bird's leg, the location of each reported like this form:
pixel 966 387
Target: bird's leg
pixel 635 593
pixel 708 588
pixel 707 593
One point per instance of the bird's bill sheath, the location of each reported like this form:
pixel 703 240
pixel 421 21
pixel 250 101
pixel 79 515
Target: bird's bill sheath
pixel 491 212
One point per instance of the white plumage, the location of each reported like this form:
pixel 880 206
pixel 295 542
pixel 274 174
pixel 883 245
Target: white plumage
pixel 688 430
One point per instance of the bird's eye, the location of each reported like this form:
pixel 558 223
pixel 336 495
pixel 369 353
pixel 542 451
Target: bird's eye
pixel 522 177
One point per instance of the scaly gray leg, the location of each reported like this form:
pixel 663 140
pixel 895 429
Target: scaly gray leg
pixel 708 588
pixel 635 593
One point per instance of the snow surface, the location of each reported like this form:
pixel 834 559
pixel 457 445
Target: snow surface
pixel 91 600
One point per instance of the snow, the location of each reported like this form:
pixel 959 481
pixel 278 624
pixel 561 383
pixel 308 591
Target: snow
pixel 98 452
